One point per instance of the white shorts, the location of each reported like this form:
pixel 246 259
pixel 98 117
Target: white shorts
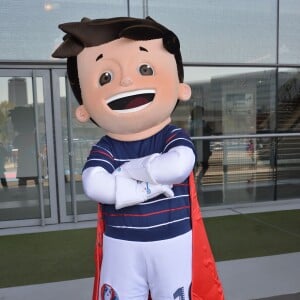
pixel 131 269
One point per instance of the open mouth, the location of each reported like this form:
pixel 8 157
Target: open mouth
pixel 131 101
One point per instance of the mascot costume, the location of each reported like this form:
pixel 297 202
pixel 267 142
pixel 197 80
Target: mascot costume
pixel 127 76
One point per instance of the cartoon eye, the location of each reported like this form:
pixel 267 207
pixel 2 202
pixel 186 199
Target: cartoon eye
pixel 146 70
pixel 105 78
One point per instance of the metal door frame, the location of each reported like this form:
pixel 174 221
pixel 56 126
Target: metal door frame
pixel 45 75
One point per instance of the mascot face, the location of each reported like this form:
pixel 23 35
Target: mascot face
pixel 129 87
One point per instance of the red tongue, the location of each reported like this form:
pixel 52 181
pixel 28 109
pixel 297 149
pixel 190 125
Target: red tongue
pixel 135 102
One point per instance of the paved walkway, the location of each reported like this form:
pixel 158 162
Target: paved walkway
pixel 261 277
pixel 273 277
pixel 295 296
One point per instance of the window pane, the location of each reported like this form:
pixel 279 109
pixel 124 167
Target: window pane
pixel 78 138
pixel 230 100
pixel 235 171
pixel 136 8
pixel 288 108
pixel 288 120
pixel 21 138
pixel 221 31
pixel 29 28
pixel 289 38
pixel 288 168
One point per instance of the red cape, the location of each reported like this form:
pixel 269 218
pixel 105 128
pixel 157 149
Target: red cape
pixel 205 282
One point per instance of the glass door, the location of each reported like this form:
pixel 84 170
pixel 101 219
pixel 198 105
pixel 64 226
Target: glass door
pixel 27 190
pixel 74 141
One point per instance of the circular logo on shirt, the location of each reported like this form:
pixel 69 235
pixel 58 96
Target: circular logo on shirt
pixel 108 293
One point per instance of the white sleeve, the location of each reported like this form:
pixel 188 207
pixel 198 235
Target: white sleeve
pixel 167 168
pixel 99 185
pixel 103 187
pixel 174 166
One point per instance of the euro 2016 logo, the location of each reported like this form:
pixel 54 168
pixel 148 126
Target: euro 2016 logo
pixel 108 293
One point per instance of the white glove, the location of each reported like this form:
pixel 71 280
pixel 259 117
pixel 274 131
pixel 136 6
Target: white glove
pixel 153 190
pixel 131 192
pixel 139 168
pixel 120 171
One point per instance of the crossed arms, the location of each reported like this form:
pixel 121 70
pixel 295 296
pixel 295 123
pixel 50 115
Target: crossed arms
pixel 139 179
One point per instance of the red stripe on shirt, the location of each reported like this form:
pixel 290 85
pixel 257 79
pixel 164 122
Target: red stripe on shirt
pixel 147 214
pixel 101 152
pixel 171 137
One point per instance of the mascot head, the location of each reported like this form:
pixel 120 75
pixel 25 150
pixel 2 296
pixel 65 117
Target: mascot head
pixel 126 74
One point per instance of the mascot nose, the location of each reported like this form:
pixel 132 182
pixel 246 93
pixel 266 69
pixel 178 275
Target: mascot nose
pixel 126 81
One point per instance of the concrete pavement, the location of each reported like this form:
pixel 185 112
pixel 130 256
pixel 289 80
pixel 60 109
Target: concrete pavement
pixel 261 277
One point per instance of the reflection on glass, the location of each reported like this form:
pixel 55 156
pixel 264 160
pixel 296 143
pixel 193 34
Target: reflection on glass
pixel 199 126
pixel 78 138
pixel 236 171
pixel 288 107
pixel 288 167
pixel 66 151
pixel 23 122
pixel 289 27
pixel 46 15
pixel 221 31
pixel 4 154
pixel 232 101
pixel 22 134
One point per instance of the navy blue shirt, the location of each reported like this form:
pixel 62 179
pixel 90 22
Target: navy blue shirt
pixel 158 218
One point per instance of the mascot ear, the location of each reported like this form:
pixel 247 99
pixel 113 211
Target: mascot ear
pixel 184 92
pixel 81 114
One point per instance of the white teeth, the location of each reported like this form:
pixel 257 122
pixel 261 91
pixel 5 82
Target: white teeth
pixel 127 94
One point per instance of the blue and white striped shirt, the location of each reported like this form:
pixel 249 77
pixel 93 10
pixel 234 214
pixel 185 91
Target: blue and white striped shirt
pixel 158 218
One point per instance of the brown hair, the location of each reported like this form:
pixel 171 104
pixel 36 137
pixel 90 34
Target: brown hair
pixel 89 33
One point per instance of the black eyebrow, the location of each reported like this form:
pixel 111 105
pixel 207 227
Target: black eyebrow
pixel 143 49
pixel 99 56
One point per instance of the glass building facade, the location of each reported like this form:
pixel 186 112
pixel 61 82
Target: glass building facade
pixel 242 60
